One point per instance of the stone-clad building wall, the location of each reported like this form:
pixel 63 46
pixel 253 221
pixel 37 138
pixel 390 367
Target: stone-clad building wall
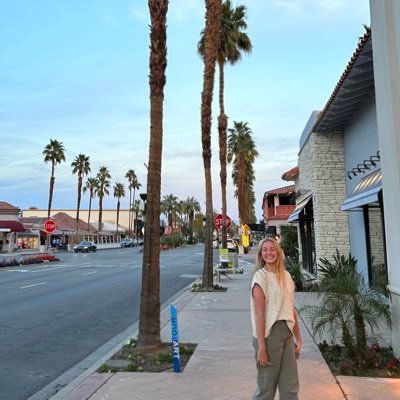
pixel 322 170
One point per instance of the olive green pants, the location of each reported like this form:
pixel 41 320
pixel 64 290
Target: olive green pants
pixel 281 371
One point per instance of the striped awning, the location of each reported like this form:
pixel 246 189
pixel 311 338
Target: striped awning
pixel 366 192
pixel 300 211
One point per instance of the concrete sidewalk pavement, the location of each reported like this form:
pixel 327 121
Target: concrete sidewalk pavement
pixel 222 366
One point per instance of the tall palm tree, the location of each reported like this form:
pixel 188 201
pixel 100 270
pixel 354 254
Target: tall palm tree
pixel 242 151
pixel 136 209
pixel 54 152
pixel 130 175
pixel 103 184
pixel 232 43
pixel 81 167
pixel 149 321
pixel 119 191
pixel 135 185
pixel 191 207
pixel 211 40
pixel 91 187
pixel 169 206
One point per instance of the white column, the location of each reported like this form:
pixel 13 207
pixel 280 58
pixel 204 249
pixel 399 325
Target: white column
pixel 385 24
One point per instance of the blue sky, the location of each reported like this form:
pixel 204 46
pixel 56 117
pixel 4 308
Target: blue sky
pixel 77 71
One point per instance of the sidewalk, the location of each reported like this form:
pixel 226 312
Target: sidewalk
pixel 223 367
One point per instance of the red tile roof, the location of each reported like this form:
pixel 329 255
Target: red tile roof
pixel 4 206
pixel 361 44
pixel 291 174
pixel 65 222
pixel 14 226
pixel 282 190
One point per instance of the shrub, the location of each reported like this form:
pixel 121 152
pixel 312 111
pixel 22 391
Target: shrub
pixel 172 241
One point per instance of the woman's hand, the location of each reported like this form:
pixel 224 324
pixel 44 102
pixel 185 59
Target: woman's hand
pixel 298 345
pixel 262 358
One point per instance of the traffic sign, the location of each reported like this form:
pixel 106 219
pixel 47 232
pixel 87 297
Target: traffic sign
pixel 218 221
pixel 49 226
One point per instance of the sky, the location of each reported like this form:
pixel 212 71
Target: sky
pixel 77 71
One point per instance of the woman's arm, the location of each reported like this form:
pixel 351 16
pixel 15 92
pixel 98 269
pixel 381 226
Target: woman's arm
pixel 259 307
pixel 296 332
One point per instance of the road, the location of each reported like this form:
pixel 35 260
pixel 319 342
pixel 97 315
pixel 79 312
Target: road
pixel 54 315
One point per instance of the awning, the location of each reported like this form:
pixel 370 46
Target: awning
pixel 271 231
pixel 366 191
pixel 299 212
pixel 13 226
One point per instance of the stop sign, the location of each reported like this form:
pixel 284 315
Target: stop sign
pixel 218 221
pixel 49 226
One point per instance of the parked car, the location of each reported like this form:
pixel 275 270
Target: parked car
pixel 231 245
pixel 128 243
pixel 85 247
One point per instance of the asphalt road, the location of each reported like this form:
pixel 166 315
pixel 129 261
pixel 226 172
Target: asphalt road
pixel 54 315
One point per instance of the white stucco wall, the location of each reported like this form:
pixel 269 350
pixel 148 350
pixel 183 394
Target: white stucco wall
pixel 385 23
pixel 360 142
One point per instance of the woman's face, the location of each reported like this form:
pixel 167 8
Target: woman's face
pixel 269 253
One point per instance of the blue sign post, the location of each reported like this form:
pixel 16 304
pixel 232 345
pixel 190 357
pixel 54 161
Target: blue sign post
pixel 175 339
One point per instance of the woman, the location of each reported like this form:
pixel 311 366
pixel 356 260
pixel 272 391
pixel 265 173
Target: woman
pixel 276 331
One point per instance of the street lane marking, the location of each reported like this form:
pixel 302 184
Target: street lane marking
pixel 90 273
pixel 18 270
pixel 35 284
pixel 189 276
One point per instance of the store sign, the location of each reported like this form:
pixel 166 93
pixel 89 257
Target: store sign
pixel 175 339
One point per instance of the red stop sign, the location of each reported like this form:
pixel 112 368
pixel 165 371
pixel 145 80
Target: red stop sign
pixel 49 226
pixel 218 221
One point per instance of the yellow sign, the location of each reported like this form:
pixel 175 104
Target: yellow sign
pixel 245 241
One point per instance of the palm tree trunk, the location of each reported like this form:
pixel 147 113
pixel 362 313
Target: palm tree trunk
pixel 241 191
pixel 90 208
pixel 118 205
pixel 52 179
pixel 149 322
pixel 100 211
pixel 211 42
pixel 79 200
pixel 222 126
pixel 130 213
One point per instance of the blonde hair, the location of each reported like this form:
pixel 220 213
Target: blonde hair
pixel 279 266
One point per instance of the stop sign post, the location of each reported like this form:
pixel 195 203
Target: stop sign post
pixel 218 221
pixel 49 226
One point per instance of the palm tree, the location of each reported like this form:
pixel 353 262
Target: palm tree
pixel 191 207
pixel 119 191
pixel 133 185
pixel 103 184
pixel 54 152
pixel 149 321
pixel 81 167
pixel 242 151
pixel 136 208
pixel 232 43
pixel 211 40
pixel 91 187
pixel 347 304
pixel 169 206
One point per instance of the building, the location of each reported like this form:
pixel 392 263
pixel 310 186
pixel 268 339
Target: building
pixel 277 205
pixel 341 200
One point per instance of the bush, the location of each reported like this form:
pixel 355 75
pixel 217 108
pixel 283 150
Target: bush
pixel 172 241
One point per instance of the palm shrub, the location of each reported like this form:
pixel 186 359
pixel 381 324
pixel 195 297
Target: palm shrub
pixel 347 305
pixel 289 241
pixel 293 267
